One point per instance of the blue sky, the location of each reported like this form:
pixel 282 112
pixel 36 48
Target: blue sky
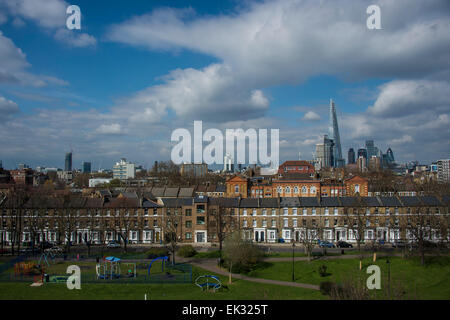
pixel 139 69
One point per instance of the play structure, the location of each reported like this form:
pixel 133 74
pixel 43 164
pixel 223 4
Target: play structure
pixel 110 268
pixel 208 282
pixel 164 260
pixel 50 255
pixel 25 269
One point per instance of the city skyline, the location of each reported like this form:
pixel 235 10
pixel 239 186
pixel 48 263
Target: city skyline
pixel 119 86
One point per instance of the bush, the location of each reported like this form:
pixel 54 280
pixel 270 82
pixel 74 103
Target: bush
pixel 157 252
pixel 327 287
pixel 187 251
pixel 245 259
pixel 323 270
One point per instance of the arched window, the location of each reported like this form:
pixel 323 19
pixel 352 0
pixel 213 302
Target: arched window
pixel 313 189
pixel 279 190
pixel 356 188
pixel 304 190
pixel 288 189
pixel 296 190
pixel 236 189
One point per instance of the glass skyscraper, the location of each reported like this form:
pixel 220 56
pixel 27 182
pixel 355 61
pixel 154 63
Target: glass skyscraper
pixel 68 164
pixel 333 129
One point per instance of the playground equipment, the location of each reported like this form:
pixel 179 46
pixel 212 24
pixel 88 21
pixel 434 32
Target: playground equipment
pixel 50 254
pixel 109 269
pixel 164 259
pixel 24 268
pixel 208 282
pixel 131 270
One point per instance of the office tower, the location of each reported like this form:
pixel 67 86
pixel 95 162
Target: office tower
pixel 362 153
pixel 228 165
pixel 390 156
pixel 68 162
pixel 375 163
pixel 338 161
pixel 443 170
pixel 351 156
pixel 362 163
pixel 124 170
pixel 324 153
pixel 371 149
pixel 86 167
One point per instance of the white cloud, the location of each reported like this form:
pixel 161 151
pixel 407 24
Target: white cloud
pixel 113 128
pixel 7 108
pixel 50 15
pixel 75 39
pixel 311 116
pixel 14 67
pixel 401 98
pixel 211 93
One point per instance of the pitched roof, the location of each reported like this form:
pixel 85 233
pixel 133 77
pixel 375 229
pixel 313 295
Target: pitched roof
pixel 329 202
pixel 410 201
pixel 176 202
pixel 269 203
pixel 158 192
pixel 224 202
pixel 349 201
pixel 289 202
pixel 430 201
pixel 370 201
pixel 390 202
pixel 171 192
pixel 309 202
pixel 186 192
pixel 249 203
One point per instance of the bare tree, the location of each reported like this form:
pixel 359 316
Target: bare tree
pixel 221 222
pixel 172 222
pixel 310 232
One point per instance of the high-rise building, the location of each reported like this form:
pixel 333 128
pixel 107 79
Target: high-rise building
pixel 333 129
pixel 362 153
pixel 362 163
pixel 228 165
pixel 68 162
pixel 374 163
pixel 443 170
pixel 371 149
pixel 86 167
pixel 124 170
pixel 324 153
pixel 351 156
pixel 390 155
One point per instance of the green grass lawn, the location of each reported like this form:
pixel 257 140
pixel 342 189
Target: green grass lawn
pixel 429 282
pixel 239 290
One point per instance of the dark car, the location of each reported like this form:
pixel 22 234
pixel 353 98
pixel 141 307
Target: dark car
pixel 343 244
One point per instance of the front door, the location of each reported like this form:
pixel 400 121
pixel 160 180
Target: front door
pixel 256 236
pixel 200 236
pixel 262 236
pixel 338 235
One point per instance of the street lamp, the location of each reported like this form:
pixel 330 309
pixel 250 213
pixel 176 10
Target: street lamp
pixel 389 277
pixel 293 273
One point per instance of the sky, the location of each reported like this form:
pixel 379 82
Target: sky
pixel 137 70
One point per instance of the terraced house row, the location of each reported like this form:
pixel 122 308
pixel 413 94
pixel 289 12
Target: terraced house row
pixel 145 219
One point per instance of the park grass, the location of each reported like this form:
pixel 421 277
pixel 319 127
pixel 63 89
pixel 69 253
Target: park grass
pixel 238 290
pixel 431 281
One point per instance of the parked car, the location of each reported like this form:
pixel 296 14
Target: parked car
pixel 399 244
pixel 113 244
pixel 326 244
pixel 343 244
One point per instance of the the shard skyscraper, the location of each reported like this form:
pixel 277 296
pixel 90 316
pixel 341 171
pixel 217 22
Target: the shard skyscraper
pixel 334 135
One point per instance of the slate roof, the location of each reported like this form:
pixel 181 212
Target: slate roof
pixel 171 192
pixel 309 202
pixel 431 201
pixel 249 203
pixel 370 201
pixel 158 192
pixel 410 201
pixel 349 201
pixel 176 202
pixel 186 192
pixel 269 203
pixel 390 202
pixel 289 202
pixel 329 202
pixel 224 202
